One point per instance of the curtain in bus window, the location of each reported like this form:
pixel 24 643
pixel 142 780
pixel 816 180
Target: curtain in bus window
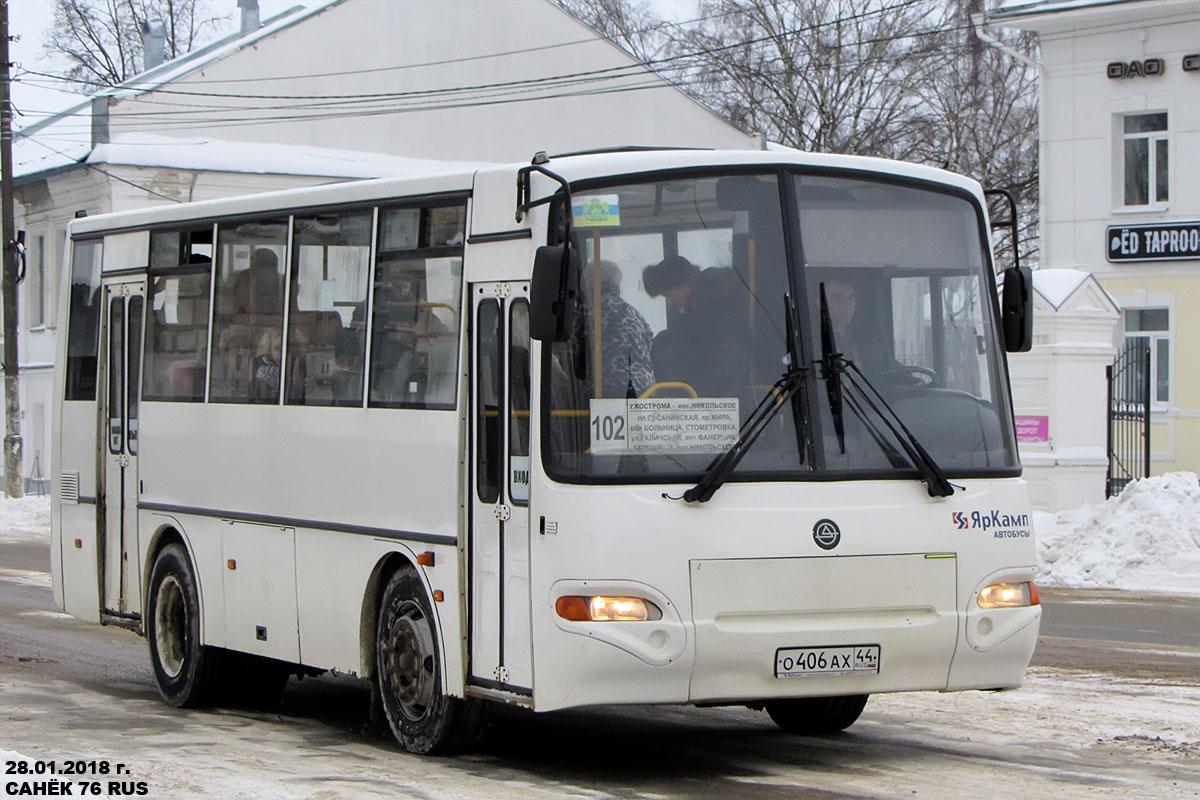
pixel 177 319
pixel 327 318
pixel 415 319
pixel 83 322
pixel 247 336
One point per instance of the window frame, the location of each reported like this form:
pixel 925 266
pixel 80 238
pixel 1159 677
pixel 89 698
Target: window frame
pixel 422 250
pixel 179 271
pixel 1154 336
pixel 1152 139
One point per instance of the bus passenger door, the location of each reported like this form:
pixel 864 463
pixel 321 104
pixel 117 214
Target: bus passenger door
pixel 501 647
pixel 120 560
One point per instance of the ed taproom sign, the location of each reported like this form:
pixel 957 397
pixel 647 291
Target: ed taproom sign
pixel 1169 242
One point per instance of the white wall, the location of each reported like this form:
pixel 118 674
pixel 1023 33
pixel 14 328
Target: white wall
pixel 375 36
pixel 1081 137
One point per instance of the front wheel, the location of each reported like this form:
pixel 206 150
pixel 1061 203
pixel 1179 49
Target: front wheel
pixel 183 667
pixel 408 669
pixel 811 716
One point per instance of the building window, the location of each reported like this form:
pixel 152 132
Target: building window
pixel 37 286
pixel 1150 327
pixel 1145 159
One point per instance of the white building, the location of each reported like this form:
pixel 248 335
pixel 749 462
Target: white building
pixel 1120 156
pixel 343 89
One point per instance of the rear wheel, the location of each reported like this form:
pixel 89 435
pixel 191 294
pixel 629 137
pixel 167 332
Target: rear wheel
pixel 184 668
pixel 408 670
pixel 811 716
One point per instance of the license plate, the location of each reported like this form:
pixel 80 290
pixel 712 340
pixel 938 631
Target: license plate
pixel 804 662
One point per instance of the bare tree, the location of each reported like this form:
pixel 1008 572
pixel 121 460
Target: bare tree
pixel 835 76
pixel 99 42
pixel 632 24
pixel 905 79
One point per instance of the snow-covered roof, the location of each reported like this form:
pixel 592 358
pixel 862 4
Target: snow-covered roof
pixel 1013 10
pixel 1056 285
pixel 217 155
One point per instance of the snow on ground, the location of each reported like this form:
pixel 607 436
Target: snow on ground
pixel 1145 539
pixel 24 519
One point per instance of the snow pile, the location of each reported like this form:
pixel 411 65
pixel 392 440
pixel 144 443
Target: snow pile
pixel 1145 539
pixel 25 519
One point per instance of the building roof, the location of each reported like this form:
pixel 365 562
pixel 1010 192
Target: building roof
pixel 64 139
pixel 1049 13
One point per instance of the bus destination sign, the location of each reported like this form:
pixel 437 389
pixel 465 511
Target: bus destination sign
pixel 1169 242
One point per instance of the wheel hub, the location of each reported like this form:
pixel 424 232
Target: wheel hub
pixel 170 626
pixel 409 662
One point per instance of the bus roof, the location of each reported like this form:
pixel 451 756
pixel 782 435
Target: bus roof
pixel 574 168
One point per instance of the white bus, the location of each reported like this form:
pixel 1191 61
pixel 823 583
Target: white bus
pixel 661 426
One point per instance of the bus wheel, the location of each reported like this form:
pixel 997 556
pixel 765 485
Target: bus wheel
pixel 183 667
pixel 408 669
pixel 811 716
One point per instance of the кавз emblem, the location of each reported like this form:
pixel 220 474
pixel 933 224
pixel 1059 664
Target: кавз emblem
pixel 826 534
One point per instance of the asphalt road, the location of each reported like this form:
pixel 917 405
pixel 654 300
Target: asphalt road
pixel 1112 709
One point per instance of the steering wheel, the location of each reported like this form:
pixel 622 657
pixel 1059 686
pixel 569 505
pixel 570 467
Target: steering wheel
pixel 912 375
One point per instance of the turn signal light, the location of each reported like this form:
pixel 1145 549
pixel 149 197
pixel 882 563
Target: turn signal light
pixel 1009 595
pixel 606 609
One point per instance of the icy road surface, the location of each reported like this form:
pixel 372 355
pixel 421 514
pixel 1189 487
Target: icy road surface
pixel 1111 709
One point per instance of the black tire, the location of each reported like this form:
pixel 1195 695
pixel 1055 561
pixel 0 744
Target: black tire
pixel 184 669
pixel 408 673
pixel 813 716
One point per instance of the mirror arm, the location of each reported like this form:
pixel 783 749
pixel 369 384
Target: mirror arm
pixel 1010 223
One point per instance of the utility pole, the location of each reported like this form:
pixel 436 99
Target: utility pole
pixel 8 244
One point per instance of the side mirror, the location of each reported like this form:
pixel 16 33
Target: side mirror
pixel 552 293
pixel 1016 309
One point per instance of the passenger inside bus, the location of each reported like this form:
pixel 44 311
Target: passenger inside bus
pixel 625 336
pixel 705 343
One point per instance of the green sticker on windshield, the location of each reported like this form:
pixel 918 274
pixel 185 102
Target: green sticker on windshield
pixel 599 210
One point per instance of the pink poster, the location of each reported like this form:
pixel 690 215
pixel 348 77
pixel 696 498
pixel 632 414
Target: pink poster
pixel 1033 430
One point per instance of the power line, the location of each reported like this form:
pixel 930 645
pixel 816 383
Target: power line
pixel 627 70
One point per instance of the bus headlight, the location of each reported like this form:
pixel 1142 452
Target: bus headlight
pixel 606 609
pixel 1009 595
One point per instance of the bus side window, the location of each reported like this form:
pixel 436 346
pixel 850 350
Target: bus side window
pixel 247 335
pixel 415 308
pixel 83 321
pixel 327 328
pixel 177 322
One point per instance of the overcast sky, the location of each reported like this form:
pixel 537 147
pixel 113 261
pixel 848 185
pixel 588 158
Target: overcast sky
pixel 31 19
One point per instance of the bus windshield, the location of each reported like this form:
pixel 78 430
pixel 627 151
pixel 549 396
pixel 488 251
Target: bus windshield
pixel 682 329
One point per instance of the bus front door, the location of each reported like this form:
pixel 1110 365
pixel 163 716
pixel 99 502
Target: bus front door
pixel 501 644
pixel 118 554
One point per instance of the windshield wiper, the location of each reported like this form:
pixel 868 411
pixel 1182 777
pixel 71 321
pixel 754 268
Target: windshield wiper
pixel 834 366
pixel 723 465
pixel 782 391
pixel 831 360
